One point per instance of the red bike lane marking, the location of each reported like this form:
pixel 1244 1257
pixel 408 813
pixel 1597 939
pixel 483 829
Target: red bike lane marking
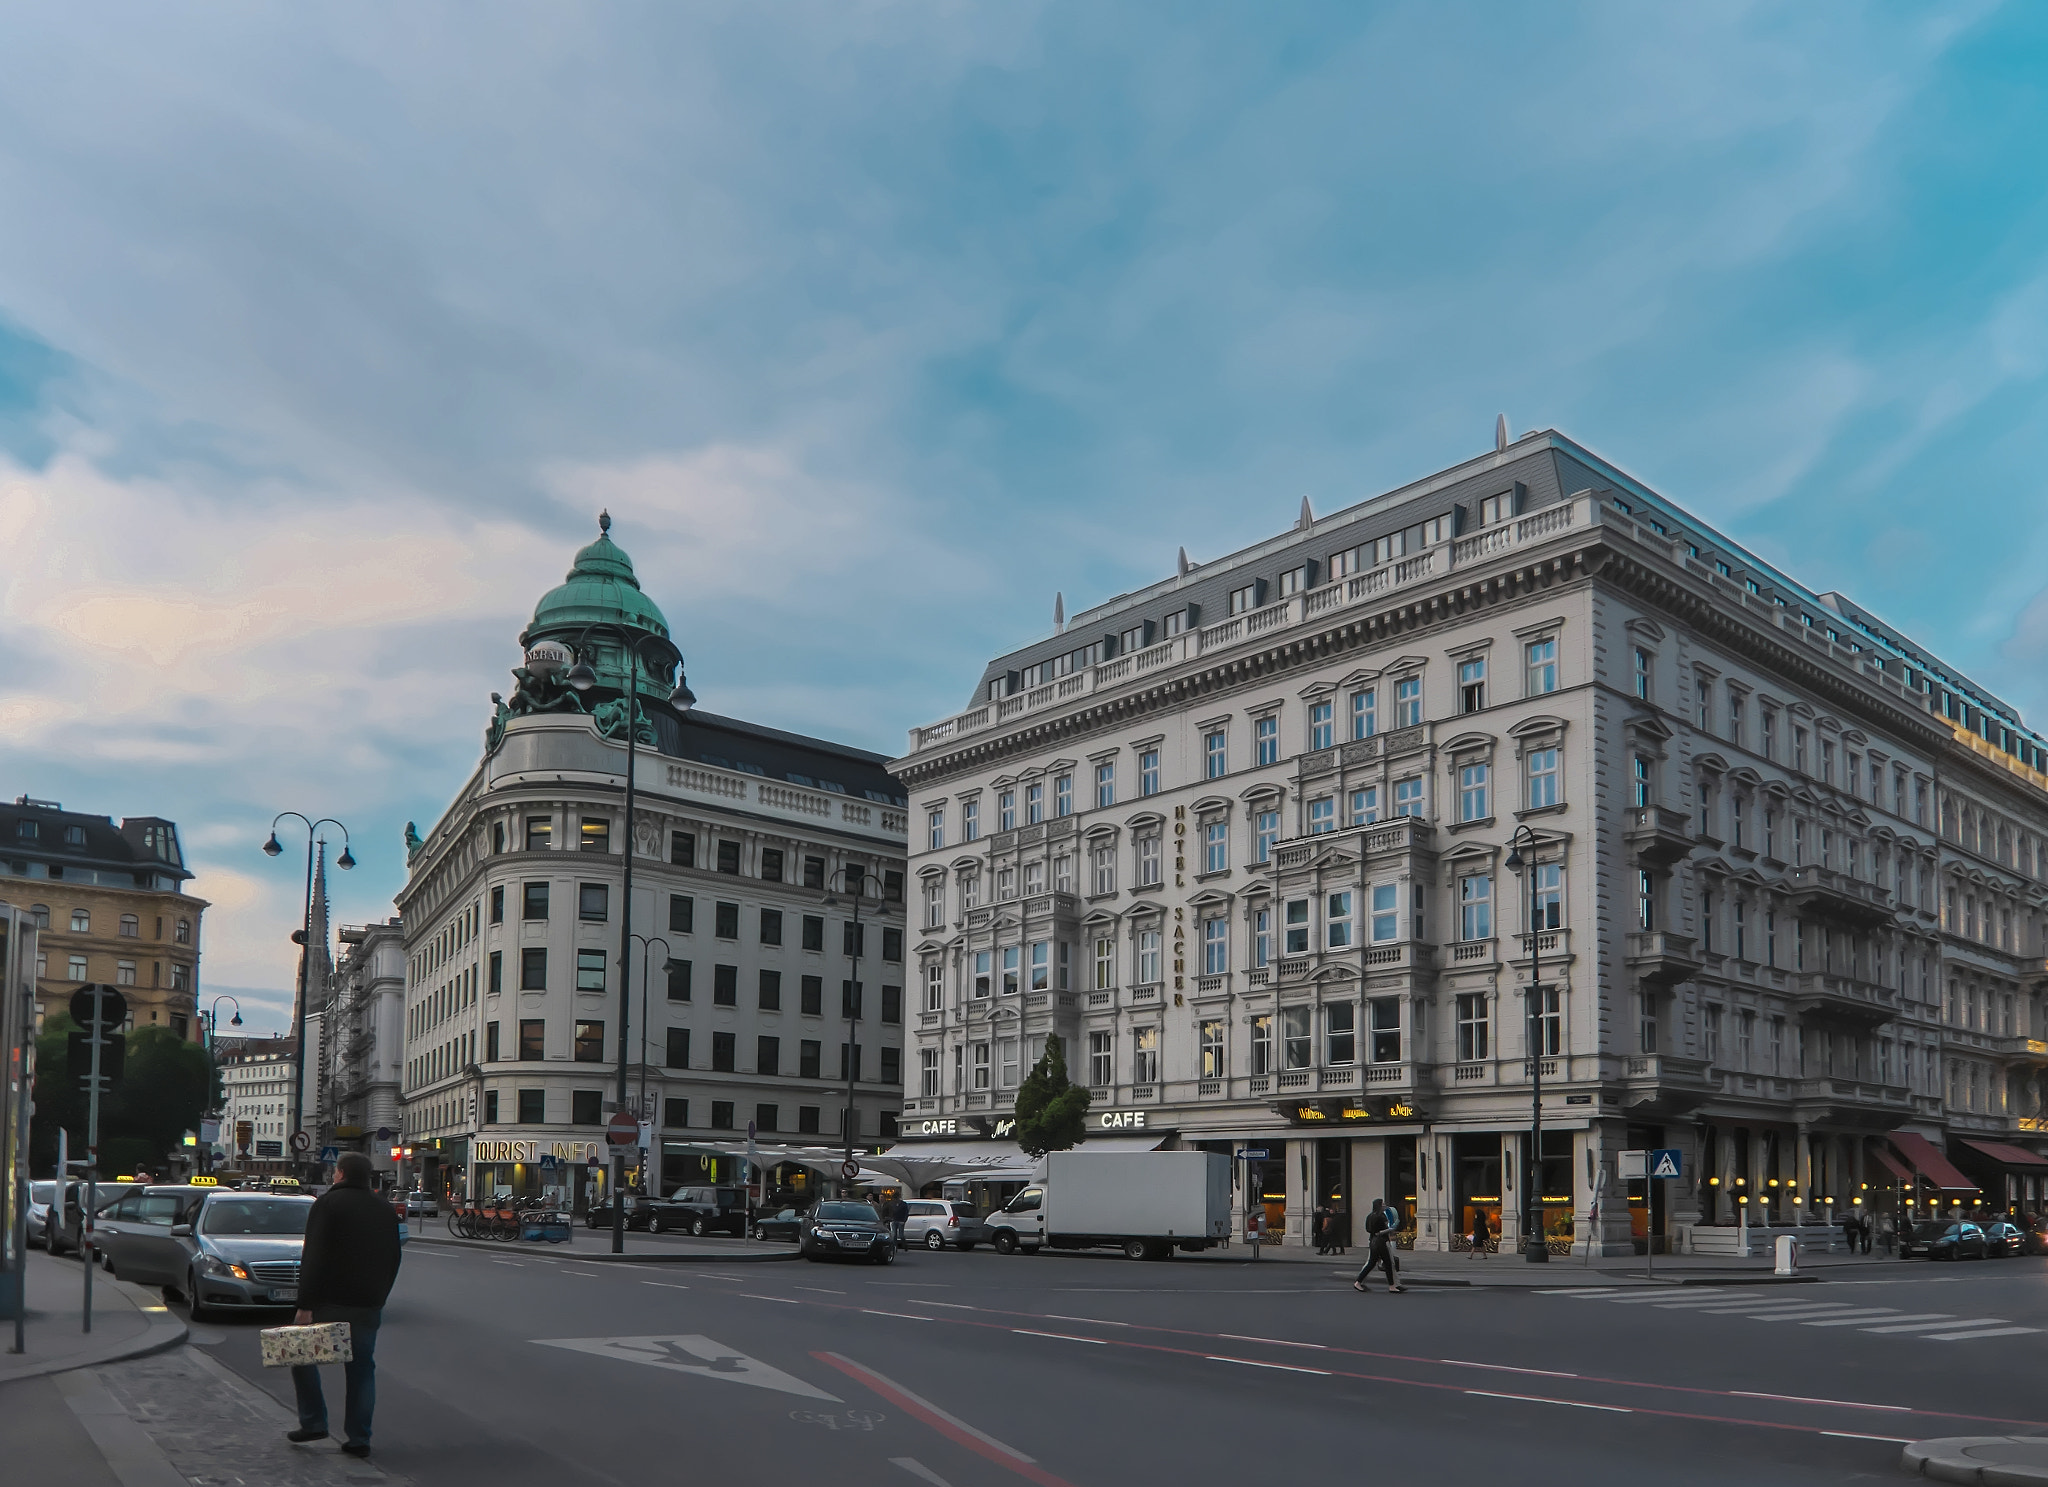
pixel 956 1430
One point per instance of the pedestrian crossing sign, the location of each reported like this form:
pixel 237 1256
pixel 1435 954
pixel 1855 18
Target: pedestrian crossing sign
pixel 1665 1162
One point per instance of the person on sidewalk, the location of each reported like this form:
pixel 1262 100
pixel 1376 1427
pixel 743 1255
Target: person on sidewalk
pixel 345 1272
pixel 1885 1234
pixel 899 1215
pixel 1379 1252
pixel 1322 1226
pixel 1482 1233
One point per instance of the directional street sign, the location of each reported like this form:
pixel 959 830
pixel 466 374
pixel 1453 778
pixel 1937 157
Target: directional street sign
pixel 849 1169
pixel 1666 1161
pixel 301 1141
pixel 1252 1154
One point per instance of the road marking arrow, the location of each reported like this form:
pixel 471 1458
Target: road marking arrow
pixel 690 1354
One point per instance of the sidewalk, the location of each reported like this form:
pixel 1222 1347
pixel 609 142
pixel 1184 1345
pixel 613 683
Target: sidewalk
pixel 1509 1270
pixel 127 1322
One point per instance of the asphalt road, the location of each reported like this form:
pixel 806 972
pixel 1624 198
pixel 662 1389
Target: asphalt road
pixel 534 1367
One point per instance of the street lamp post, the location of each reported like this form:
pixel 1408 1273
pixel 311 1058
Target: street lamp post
pixel 211 1022
pixel 1535 1248
pixel 851 879
pixel 582 678
pixel 647 944
pixel 345 861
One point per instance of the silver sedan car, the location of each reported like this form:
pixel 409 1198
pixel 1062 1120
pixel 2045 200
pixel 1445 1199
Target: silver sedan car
pixel 244 1252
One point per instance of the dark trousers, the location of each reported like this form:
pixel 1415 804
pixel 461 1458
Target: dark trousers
pixel 359 1376
pixel 1379 1254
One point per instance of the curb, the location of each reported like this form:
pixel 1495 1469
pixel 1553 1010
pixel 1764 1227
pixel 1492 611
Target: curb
pixel 166 1330
pixel 506 1247
pixel 1993 1460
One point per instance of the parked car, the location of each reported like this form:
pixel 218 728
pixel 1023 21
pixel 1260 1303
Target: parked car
pixel 841 1230
pixel 242 1252
pixel 68 1235
pixel 41 1196
pixel 419 1203
pixel 780 1225
pixel 703 1210
pixel 639 1212
pixel 2003 1239
pixel 1938 1239
pixel 138 1237
pixel 935 1224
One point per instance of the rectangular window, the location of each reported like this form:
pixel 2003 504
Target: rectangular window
pixel 1105 782
pixel 1006 1062
pixel 729 857
pixel 677 1054
pixel 1642 784
pixel 675 1114
pixel 1364 712
pixel 1296 926
pixel 725 986
pixel 1101 1059
pixel 1148 860
pixel 679 981
pixel 1735 717
pixel 1703 706
pixel 596 835
pixel 534 901
pixel 814 932
pixel 1063 795
pixel 1104 860
pixel 1322 726
pixel 1408 702
pixel 721 1114
pixel 935 987
pixel 1646 1021
pixel 1262 1043
pixel 1386 1029
pixel 1541 656
pixel 1209 1044
pixel 1386 918
pixel 1473 794
pixel 1215 946
pixel 498 905
pixel 1148 957
pixel 589 1042
pixel 532 1039
pixel 497 972
pixel 1006 811
pixel 807 1120
pixel 1472 685
pixel 540 833
pixel 1244 600
pixel 1144 1055
pixel 1105 963
pixel 590 970
pixel 533 1107
pixel 682 914
pixel 1034 804
pixel 1340 1033
pixel 1549 896
pixel 490 1042
pixel 1475 907
pixel 853 939
pixel 1646 900
pixel 935 829
pixel 682 848
pixel 1472 1027
pixel 771 926
pixel 1542 778
pixel 533 969
pixel 723 1051
pixel 892 1004
pixel 1216 753
pixel 1041 965
pixel 771 865
pixel 593 902
pixel 770 991
pixel 1012 969
pixel 1297 1037
pixel 928 1072
pixel 767 1055
pixel 1408 797
pixel 1337 927
pixel 1262 938
pixel 1365 806
pixel 1148 778
pixel 1267 733
pixel 935 903
pixel 1642 673
pixel 1267 833
pixel 1322 815
pixel 1550 1023
pixel 983 979
pixel 981 1065
pixel 725 920
pixel 808 1060
pixel 1215 846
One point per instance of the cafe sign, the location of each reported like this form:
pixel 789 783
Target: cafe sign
pixel 533 1151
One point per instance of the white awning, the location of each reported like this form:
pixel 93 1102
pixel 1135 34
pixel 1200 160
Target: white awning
pixel 1124 1143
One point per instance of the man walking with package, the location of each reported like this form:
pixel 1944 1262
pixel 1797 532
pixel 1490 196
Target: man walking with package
pixel 346 1271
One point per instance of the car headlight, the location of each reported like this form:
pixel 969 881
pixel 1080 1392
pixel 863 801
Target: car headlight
pixel 215 1265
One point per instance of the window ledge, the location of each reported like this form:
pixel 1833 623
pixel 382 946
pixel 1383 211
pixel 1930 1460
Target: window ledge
pixel 1140 889
pixel 1208 877
pixel 1544 810
pixel 1457 826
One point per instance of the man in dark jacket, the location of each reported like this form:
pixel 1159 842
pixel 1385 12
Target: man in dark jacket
pixel 346 1271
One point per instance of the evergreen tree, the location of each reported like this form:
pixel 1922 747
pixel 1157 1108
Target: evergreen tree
pixel 1052 1112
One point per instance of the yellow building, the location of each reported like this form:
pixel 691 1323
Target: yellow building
pixel 112 904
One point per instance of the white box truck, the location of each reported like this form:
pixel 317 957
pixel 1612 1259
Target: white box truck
pixel 1146 1203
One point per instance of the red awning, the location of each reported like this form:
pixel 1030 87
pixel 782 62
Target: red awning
pixel 1928 1161
pixel 1891 1163
pixel 2006 1156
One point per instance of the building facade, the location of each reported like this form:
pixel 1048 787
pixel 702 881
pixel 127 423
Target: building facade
pixel 1278 847
pixel 112 905
pixel 362 1042
pixel 256 1076
pixel 753 993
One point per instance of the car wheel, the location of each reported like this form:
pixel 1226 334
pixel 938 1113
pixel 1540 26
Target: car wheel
pixel 886 1257
pixel 657 1225
pixel 197 1311
pixel 1137 1249
pixel 697 1227
pixel 1005 1243
pixel 933 1239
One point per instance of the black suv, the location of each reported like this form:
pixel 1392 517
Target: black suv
pixel 706 1210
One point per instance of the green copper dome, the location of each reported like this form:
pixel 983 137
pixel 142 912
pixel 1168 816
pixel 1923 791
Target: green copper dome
pixel 600 588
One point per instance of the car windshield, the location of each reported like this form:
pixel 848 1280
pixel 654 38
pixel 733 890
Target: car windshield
pixel 963 1210
pixel 266 1216
pixel 845 1213
pixel 42 1192
pixel 1929 1231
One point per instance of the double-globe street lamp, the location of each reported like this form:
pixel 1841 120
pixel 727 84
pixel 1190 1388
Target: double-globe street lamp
pixel 1535 1247
pixel 668 963
pixel 850 880
pixel 210 1020
pixel 582 678
pixel 345 861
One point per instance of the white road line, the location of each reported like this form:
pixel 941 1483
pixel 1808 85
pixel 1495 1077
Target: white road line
pixel 1973 1336
pixel 1061 1336
pixel 1612 1409
pixel 1573 1291
pixel 1861 1314
pixel 665 1285
pixel 1850 1435
pixel 907 1316
pixel 1774 1308
pixel 1278 1342
pixel 1923 1316
pixel 591 1273
pixel 821 1290
pixel 709 1276
pixel 950 1305
pixel 1053 1316
pixel 1711 1298
pixel 750 1296
pixel 1847 1404
pixel 1549 1373
pixel 1942 1326
pixel 919 1470
pixel 1253 1363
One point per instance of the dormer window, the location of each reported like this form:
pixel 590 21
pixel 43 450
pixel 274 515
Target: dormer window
pixel 74 836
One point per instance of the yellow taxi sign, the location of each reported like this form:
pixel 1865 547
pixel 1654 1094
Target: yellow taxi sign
pixel 284 1182
pixel 206 1182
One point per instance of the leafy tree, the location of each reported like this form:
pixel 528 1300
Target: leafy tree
pixel 162 1093
pixel 1052 1112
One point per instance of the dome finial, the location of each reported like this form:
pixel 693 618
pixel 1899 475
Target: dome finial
pixel 604 522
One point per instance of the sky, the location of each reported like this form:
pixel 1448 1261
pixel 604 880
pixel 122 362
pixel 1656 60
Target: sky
pixel 325 331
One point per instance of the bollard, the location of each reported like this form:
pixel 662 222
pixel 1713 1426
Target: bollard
pixel 1788 1255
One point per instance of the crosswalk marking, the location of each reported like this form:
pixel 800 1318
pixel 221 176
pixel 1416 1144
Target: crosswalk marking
pixel 1973 1336
pixel 1861 1314
pixel 1926 1326
pixel 1749 1308
pixel 1934 1326
pixel 1924 1316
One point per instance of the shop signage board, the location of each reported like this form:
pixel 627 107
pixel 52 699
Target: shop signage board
pixel 1632 1166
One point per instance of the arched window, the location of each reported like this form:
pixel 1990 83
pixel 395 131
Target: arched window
pixel 131 927
pixel 81 922
pixel 184 935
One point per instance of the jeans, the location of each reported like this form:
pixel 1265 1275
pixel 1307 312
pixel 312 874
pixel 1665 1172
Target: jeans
pixel 359 1376
pixel 896 1233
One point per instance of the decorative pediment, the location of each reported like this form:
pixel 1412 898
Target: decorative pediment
pixel 1649 726
pixel 1713 762
pixel 1100 919
pixel 1404 665
pixel 1209 804
pixel 1103 833
pixel 1542 725
pixel 1469 854
pixel 1262 790
pixel 1143 821
pixel 1359 678
pixel 1744 778
pixel 1210 898
pixel 1644 629
pixel 965 864
pixel 1468 743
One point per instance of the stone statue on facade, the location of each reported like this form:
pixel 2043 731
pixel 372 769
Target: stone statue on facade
pixel 413 842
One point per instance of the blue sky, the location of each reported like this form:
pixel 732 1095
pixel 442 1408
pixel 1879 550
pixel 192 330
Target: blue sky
pixel 324 331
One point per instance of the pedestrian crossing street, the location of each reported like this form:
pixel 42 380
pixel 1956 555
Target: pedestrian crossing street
pixel 1757 1306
